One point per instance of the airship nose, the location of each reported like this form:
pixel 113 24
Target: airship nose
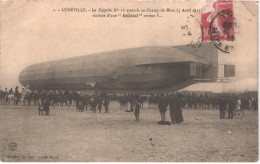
pixel 23 77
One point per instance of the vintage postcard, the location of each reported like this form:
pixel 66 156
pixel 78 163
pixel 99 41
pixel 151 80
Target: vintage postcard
pixel 128 81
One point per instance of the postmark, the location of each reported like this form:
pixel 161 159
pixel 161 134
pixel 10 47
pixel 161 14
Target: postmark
pixel 222 30
pixel 190 30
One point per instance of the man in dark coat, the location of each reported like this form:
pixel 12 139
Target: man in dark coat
pixel 172 108
pixel 178 111
pixel 77 99
pixel 47 104
pixel 99 103
pixel 5 95
pixel 137 110
pixel 132 103
pixel 162 107
pixel 93 103
pixel 222 106
pixel 11 91
pixel 231 107
pixel 17 95
pixel 106 103
pixel 43 97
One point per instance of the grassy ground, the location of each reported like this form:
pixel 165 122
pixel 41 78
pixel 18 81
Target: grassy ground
pixel 67 135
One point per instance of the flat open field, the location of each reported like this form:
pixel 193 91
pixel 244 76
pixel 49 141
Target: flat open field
pixel 67 135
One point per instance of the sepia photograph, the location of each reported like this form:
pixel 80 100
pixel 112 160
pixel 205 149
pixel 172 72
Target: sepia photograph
pixel 128 81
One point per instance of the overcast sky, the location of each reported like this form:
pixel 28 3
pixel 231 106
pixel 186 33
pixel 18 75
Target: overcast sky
pixel 31 33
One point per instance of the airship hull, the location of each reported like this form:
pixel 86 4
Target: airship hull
pixel 137 69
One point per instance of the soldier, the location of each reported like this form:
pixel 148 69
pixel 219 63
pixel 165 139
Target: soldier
pixel 162 107
pixel 11 91
pixel 124 101
pixel 231 107
pixel 141 101
pixel 29 97
pixel 99 102
pixel 16 95
pixel 189 100
pixel 85 102
pixel 5 95
pixel 1 95
pixel 81 106
pixel 255 104
pixel 106 103
pixel 150 101
pixel 207 100
pixel 222 106
pixel 200 99
pixel 47 104
pixel 137 110
pixel 156 101
pixel 172 109
pixel 195 101
pixel 43 96
pixel 178 111
pixel 77 99
pixel 35 97
pixel 74 97
pixel 93 103
pixel 132 103
pixel 70 98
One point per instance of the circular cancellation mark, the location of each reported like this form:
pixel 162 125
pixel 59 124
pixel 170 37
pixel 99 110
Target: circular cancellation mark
pixel 222 30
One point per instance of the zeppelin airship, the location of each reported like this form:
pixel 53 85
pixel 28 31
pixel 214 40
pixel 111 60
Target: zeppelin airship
pixel 135 69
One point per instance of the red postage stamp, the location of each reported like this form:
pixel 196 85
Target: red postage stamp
pixel 218 22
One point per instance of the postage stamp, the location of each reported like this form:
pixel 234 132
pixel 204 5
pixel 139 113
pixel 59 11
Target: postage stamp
pixel 218 24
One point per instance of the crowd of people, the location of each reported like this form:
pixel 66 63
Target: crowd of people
pixel 225 102
pixel 55 98
pixel 132 102
pixel 163 102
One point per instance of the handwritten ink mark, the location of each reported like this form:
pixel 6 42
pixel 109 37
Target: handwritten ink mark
pixel 12 146
pixel 152 142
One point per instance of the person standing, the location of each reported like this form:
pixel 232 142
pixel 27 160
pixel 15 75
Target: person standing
pixel 255 104
pixel 77 99
pixel 70 98
pixel 106 103
pixel 99 102
pixel 43 97
pixel 36 98
pixel 47 104
pixel 222 106
pixel 11 91
pixel 231 107
pixel 238 105
pixel 132 103
pixel 93 103
pixel 137 110
pixel 172 108
pixel 178 111
pixel 17 96
pixel 162 107
pixel 5 95
pixel 1 95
